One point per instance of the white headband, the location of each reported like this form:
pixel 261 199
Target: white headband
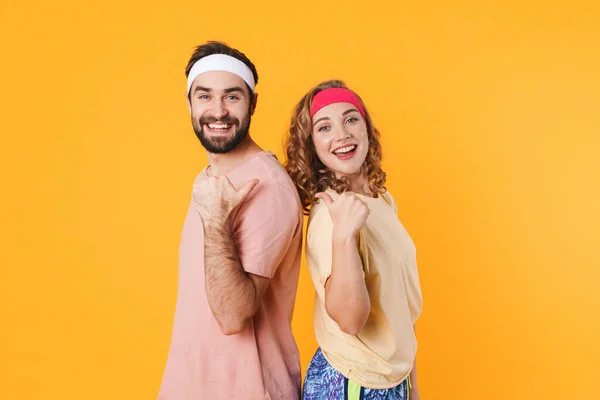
pixel 220 62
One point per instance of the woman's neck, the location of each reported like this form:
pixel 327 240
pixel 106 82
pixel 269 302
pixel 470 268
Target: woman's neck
pixel 357 183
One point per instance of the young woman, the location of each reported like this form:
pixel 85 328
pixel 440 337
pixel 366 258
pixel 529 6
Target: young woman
pixel 361 259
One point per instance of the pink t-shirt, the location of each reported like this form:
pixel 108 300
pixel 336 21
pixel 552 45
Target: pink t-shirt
pixel 262 362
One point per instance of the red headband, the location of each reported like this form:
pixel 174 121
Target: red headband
pixel 335 95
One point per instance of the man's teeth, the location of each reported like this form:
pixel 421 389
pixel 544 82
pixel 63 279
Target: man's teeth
pixel 219 126
pixel 345 149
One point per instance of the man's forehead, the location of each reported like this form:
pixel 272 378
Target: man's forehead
pixel 218 80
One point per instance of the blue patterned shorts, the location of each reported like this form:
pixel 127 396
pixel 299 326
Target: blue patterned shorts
pixel 323 382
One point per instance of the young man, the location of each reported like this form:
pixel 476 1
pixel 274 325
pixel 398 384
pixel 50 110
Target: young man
pixel 240 250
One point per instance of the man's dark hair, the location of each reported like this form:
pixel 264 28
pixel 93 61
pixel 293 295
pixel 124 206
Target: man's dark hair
pixel 215 47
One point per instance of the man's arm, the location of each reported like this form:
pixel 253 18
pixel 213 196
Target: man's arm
pixel 241 255
pixel 233 294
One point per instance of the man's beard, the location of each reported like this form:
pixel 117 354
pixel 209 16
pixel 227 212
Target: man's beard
pixel 222 144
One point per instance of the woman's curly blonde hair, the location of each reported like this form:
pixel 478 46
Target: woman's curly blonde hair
pixel 309 174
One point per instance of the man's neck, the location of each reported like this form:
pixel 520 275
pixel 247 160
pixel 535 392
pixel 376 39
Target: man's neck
pixel 221 164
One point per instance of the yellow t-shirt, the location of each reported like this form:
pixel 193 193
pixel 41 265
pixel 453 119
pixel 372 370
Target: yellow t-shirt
pixel 382 354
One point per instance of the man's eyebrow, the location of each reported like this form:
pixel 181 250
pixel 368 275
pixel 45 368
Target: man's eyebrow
pixel 234 89
pixel 228 90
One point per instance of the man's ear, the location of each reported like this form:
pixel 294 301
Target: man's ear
pixel 188 101
pixel 253 104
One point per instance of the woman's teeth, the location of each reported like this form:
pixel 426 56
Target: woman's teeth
pixel 346 149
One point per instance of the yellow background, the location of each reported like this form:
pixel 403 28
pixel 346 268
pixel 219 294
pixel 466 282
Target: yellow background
pixel 490 115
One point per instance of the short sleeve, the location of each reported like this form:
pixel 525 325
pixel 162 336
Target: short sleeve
pixel 319 246
pixel 361 243
pixel 390 200
pixel 265 227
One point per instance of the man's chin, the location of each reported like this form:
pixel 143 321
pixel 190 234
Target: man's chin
pixel 216 146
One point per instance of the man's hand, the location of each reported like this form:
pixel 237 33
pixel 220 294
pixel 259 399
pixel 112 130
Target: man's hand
pixel 216 198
